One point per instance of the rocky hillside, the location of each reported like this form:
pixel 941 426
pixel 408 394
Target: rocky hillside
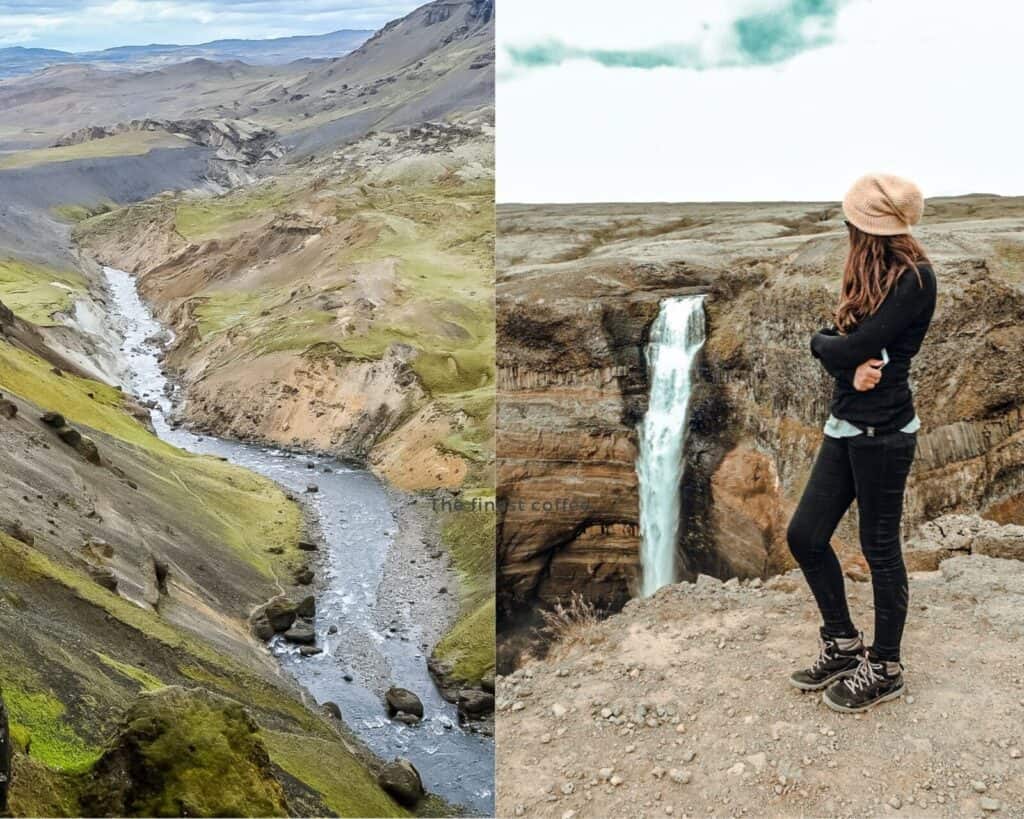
pixel 578 289
pixel 108 591
pixel 679 706
pixel 344 305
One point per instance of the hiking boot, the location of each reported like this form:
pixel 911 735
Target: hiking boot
pixel 838 657
pixel 875 681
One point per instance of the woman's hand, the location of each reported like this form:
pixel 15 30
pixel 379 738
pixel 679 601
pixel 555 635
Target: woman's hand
pixel 868 375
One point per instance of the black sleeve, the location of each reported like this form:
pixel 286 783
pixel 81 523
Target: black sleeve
pixel 844 374
pixel 894 315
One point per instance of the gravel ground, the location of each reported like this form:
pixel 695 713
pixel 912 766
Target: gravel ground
pixel 679 706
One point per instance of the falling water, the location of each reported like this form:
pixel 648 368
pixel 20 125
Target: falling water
pixel 676 337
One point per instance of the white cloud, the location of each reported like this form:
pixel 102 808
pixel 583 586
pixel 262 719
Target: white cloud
pixel 912 87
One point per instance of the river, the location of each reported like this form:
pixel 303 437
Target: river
pixel 357 522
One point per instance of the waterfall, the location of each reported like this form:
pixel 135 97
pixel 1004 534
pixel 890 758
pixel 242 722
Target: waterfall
pixel 676 337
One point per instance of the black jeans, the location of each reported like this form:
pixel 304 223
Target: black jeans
pixel 874 471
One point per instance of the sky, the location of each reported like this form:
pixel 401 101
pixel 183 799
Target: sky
pixel 88 25
pixel 747 100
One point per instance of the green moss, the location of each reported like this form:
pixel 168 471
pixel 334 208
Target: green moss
pixel 206 218
pixel 38 720
pixel 346 786
pixel 133 143
pixel 79 213
pixel 469 646
pixel 246 510
pixel 38 790
pixel 36 293
pixel 146 681
pixel 192 754
pixel 469 537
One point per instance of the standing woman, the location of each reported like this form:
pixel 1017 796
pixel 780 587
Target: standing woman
pixel 885 306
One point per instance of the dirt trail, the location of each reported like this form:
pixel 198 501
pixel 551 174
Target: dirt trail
pixel 679 706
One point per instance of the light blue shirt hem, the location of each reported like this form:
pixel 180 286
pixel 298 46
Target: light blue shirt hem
pixel 838 428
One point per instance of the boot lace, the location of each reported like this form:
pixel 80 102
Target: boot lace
pixel 824 654
pixel 865 675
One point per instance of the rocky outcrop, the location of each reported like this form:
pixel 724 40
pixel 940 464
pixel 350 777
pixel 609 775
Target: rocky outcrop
pixel 952 535
pixel 578 290
pixel 185 752
pixel 239 144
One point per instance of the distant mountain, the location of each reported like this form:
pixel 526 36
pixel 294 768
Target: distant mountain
pixel 17 60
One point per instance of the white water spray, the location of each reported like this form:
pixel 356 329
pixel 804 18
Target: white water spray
pixel 676 337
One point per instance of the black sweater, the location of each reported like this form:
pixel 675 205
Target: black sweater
pixel 899 325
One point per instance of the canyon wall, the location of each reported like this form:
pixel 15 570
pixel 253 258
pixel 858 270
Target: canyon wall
pixel 579 287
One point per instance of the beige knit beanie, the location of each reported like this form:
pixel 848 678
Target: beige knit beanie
pixel 883 204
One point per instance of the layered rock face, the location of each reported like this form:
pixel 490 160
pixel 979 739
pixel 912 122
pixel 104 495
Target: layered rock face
pixel 578 289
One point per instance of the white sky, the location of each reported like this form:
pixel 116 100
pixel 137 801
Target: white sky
pixel 923 89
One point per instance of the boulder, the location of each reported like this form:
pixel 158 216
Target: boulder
pixel 402 699
pixel 312 489
pixel 331 709
pixel 8 409
pixel 950 535
pixel 408 719
pixel 487 682
pixel 88 450
pixel 53 419
pixel 310 651
pixel 307 546
pixel 301 633
pixel 274 616
pixel 402 781
pixel 185 752
pixel 304 576
pixel 69 435
pixel 306 607
pixel 104 576
pixel 474 704
pixel 1006 542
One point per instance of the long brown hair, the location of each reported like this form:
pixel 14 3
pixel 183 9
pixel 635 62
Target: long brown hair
pixel 873 266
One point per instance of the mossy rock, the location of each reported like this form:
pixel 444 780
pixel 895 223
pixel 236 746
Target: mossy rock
pixel 185 752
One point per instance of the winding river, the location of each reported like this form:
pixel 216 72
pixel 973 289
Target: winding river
pixel 355 517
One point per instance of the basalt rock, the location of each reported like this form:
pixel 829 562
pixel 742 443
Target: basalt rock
pixel 306 607
pixel 401 699
pixel 8 409
pixel 53 419
pixel 276 615
pixel 302 633
pixel 401 779
pixel 474 704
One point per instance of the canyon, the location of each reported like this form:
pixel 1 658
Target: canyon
pixel 578 289
pixel 316 241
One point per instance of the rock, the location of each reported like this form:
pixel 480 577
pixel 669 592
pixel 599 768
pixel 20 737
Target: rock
pixel 312 489
pixel 306 607
pixel 401 699
pixel 331 709
pixel 332 629
pixel 262 629
pixel 401 779
pixel 18 532
pixel 307 546
pixel 302 633
pixel 8 409
pixel 989 804
pixel 304 576
pixel 474 704
pixel 408 719
pixel 88 449
pixel 69 435
pixel 310 651
pixel 679 777
pixel 487 682
pixel 558 710
pixel 278 613
pixel 146 771
pixel 53 419
pixel 104 576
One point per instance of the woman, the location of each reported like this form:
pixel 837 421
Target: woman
pixel 885 306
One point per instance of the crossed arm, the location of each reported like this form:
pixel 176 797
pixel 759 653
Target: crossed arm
pixel 844 356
